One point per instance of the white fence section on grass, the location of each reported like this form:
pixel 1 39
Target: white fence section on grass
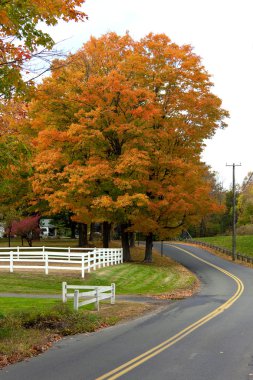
pixel 92 294
pixel 59 258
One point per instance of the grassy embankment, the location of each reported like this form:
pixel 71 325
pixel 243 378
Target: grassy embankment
pixel 49 242
pixel 244 243
pixel 28 326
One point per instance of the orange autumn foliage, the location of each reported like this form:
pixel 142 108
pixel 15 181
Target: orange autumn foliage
pixel 120 130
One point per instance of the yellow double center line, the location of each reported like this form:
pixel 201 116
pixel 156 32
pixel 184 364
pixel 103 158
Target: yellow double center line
pixel 138 360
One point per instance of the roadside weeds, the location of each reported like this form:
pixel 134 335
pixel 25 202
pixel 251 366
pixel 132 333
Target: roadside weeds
pixel 24 336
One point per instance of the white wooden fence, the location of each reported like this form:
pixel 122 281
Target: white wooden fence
pixel 92 294
pixel 59 258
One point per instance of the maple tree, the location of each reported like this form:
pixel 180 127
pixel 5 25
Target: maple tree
pixel 120 130
pixel 15 172
pixel 15 163
pixel 21 36
pixel 212 223
pixel 176 201
pixel 13 112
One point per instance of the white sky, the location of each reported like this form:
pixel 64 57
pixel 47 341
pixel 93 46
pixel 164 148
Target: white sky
pixel 221 32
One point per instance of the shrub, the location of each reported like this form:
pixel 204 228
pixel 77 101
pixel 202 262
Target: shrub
pixel 247 229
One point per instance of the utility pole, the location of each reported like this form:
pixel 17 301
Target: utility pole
pixel 161 247
pixel 234 213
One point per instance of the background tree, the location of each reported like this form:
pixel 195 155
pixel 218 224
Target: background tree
pixel 15 159
pixel 8 216
pixel 213 223
pixel 21 36
pixel 245 201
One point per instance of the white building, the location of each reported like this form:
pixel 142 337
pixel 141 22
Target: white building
pixel 2 230
pixel 47 229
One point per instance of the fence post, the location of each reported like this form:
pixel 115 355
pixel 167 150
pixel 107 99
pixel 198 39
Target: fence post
pixel 69 252
pixel 11 261
pixel 97 299
pixel 94 255
pixel 18 252
pixel 113 294
pixel 43 252
pixel 83 272
pixel 89 259
pixel 46 262
pixel 64 292
pixel 99 258
pixel 76 298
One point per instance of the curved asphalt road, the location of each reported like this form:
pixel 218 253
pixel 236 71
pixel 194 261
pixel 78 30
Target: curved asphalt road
pixel 209 340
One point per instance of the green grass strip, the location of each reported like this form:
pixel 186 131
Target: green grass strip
pixel 244 243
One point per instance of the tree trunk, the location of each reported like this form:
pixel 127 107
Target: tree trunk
pixel 92 230
pixel 28 238
pixel 73 229
pixel 125 243
pixel 148 250
pixel 202 228
pixel 106 234
pixel 29 241
pixel 83 234
pixel 132 239
pixel 9 239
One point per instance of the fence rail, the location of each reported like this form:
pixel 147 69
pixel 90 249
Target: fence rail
pixel 59 258
pixel 238 255
pixel 92 294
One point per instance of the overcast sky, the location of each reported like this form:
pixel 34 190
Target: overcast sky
pixel 221 32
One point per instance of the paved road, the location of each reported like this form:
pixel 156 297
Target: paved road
pixel 206 337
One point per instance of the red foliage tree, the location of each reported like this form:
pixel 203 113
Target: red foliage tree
pixel 27 228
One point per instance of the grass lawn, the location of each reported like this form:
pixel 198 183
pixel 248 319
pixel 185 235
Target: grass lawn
pixel 29 325
pixel 64 242
pixel 13 304
pixel 244 243
pixel 162 276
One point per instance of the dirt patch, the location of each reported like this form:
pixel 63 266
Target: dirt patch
pixel 39 347
pixel 125 310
